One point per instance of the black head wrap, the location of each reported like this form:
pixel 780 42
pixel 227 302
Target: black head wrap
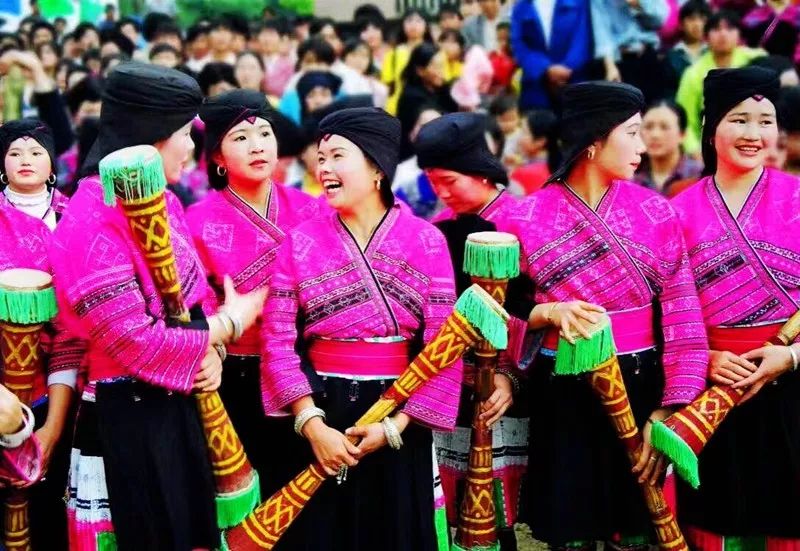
pixel 788 112
pixel 724 89
pixel 87 89
pixel 312 79
pixel 27 128
pixel 373 130
pixel 591 110
pixel 142 104
pixel 224 111
pixel 457 142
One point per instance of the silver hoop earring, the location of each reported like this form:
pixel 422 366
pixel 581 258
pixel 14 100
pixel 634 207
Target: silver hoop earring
pixel 590 154
pixel 221 171
pixel 51 180
pixel 3 178
pixel 378 185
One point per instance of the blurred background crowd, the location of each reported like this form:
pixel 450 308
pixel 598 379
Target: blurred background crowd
pixel 418 60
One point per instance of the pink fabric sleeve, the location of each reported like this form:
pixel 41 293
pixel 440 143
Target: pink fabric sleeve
pixel 685 341
pixel 435 404
pixel 282 381
pixel 66 355
pixel 22 464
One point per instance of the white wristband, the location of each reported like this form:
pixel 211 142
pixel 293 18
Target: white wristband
pixel 16 439
pixel 795 360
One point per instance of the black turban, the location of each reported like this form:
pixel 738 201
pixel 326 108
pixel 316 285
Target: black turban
pixel 373 130
pixel 724 89
pixel 27 128
pixel 142 104
pixel 224 111
pixel 591 110
pixel 457 141
pixel 312 79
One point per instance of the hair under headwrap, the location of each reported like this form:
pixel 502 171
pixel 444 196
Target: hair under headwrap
pixel 27 128
pixel 142 104
pixel 591 110
pixel 457 142
pixel 724 89
pixel 373 130
pixel 223 112
pixel 312 79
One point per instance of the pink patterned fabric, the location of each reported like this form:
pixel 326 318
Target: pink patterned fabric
pixel 22 464
pixel 747 270
pixel 401 285
pixel 108 297
pixel 23 244
pixel 233 239
pixel 626 254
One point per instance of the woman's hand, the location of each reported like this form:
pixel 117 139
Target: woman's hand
pixel 331 448
pixel 726 368
pixel 500 400
pixel 371 437
pixel 209 377
pixel 11 415
pixel 575 317
pixel 48 438
pixel 652 464
pixel 248 306
pixel 774 362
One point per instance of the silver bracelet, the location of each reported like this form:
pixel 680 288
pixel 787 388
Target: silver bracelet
pixel 795 359
pixel 236 320
pixel 16 439
pixel 515 383
pixel 392 433
pixel 305 416
pixel 222 351
pixel 227 324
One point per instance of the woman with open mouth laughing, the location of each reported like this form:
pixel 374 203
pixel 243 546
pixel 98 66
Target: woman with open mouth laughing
pixel 740 229
pixel 354 296
pixel 237 230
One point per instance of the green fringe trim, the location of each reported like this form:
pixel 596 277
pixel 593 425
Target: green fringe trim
pixel 132 173
pixel 491 261
pixel 483 312
pixel 673 446
pixel 493 547
pixel 586 354
pixel 442 529
pixel 233 508
pixel 29 306
pixel 224 545
pixel 499 503
pixel 106 541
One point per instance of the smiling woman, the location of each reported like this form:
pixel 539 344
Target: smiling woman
pixel 744 254
pixel 237 230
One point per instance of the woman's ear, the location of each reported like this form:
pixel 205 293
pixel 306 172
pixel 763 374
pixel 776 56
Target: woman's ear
pixel 218 159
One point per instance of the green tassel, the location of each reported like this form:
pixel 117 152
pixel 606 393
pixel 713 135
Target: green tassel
pixel 492 547
pixel 106 541
pixel 499 503
pixel 233 508
pixel 586 354
pixel 673 446
pixel 28 306
pixel 492 260
pixel 132 173
pixel 442 529
pixel 483 312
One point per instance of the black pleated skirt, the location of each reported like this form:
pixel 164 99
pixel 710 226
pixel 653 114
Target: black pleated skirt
pixel 580 485
pixel 386 502
pixel 750 469
pixel 160 485
pixel 270 442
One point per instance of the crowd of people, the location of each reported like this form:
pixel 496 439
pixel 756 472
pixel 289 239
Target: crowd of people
pixel 323 177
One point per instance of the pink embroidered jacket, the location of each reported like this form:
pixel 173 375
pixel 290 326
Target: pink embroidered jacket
pixel 23 244
pixel 626 254
pixel 233 239
pixel 108 296
pixel 324 286
pixel 746 269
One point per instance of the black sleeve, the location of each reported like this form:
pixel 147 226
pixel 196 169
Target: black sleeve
pixel 52 111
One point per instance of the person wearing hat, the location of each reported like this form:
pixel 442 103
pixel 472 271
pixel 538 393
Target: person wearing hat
pixel 355 294
pixel 140 474
pixel 237 229
pixel 743 252
pixel 594 242
pixel 316 90
pixel 471 182
pixel 28 175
